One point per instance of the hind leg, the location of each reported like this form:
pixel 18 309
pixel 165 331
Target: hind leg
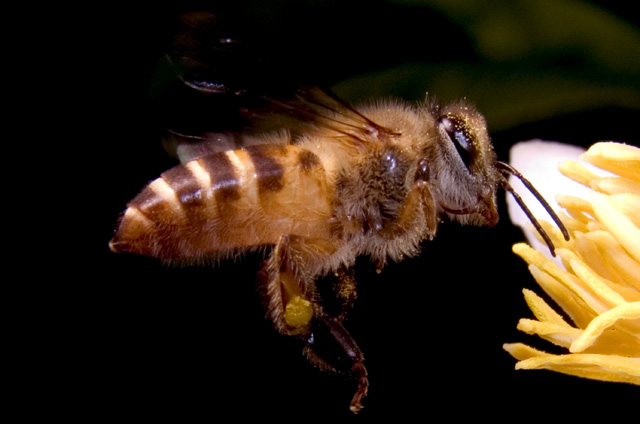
pixel 294 306
pixel 290 290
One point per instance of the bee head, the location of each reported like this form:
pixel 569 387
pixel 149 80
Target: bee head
pixel 467 177
pixel 468 174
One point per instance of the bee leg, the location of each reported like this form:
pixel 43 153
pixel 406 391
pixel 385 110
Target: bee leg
pixel 290 289
pixel 331 347
pixel 345 290
pixel 295 309
pixel 418 200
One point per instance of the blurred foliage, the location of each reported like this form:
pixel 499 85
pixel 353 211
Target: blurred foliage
pixel 532 60
pixel 521 62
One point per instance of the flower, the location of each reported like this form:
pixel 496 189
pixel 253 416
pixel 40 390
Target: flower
pixel 597 285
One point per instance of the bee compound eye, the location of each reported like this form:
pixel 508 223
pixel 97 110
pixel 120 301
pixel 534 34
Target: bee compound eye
pixel 460 135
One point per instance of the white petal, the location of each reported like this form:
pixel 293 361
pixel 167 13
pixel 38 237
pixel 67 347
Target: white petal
pixel 538 161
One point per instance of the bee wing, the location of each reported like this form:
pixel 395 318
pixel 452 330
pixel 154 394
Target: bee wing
pixel 226 92
pixel 215 72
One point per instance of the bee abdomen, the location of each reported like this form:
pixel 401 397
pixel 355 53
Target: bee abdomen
pixel 224 201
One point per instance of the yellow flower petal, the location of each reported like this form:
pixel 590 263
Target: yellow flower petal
pixel 542 310
pixel 600 288
pixel 521 351
pixel 615 185
pixel 579 209
pixel 604 321
pixel 572 202
pixel 577 172
pixel 620 227
pixel 579 312
pixel 557 334
pixel 594 299
pixel 621 268
pixel 593 366
pixel 587 249
pixel 625 292
pixel 618 158
pixel 629 205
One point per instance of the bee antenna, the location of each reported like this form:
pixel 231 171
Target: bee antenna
pixel 508 169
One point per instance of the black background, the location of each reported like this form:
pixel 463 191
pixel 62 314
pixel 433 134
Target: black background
pixel 129 338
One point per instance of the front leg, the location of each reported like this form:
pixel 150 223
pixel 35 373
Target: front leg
pixel 419 200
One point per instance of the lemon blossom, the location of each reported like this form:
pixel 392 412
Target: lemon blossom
pixel 596 282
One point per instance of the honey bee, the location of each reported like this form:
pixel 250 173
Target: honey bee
pixel 374 180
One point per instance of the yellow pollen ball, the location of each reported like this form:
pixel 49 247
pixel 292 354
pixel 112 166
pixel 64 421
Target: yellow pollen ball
pixel 298 312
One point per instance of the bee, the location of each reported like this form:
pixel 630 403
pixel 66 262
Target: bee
pixel 374 180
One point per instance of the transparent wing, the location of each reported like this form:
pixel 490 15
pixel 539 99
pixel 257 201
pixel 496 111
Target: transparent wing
pixel 225 92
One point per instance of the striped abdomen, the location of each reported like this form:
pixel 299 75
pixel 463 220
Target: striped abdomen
pixel 229 200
